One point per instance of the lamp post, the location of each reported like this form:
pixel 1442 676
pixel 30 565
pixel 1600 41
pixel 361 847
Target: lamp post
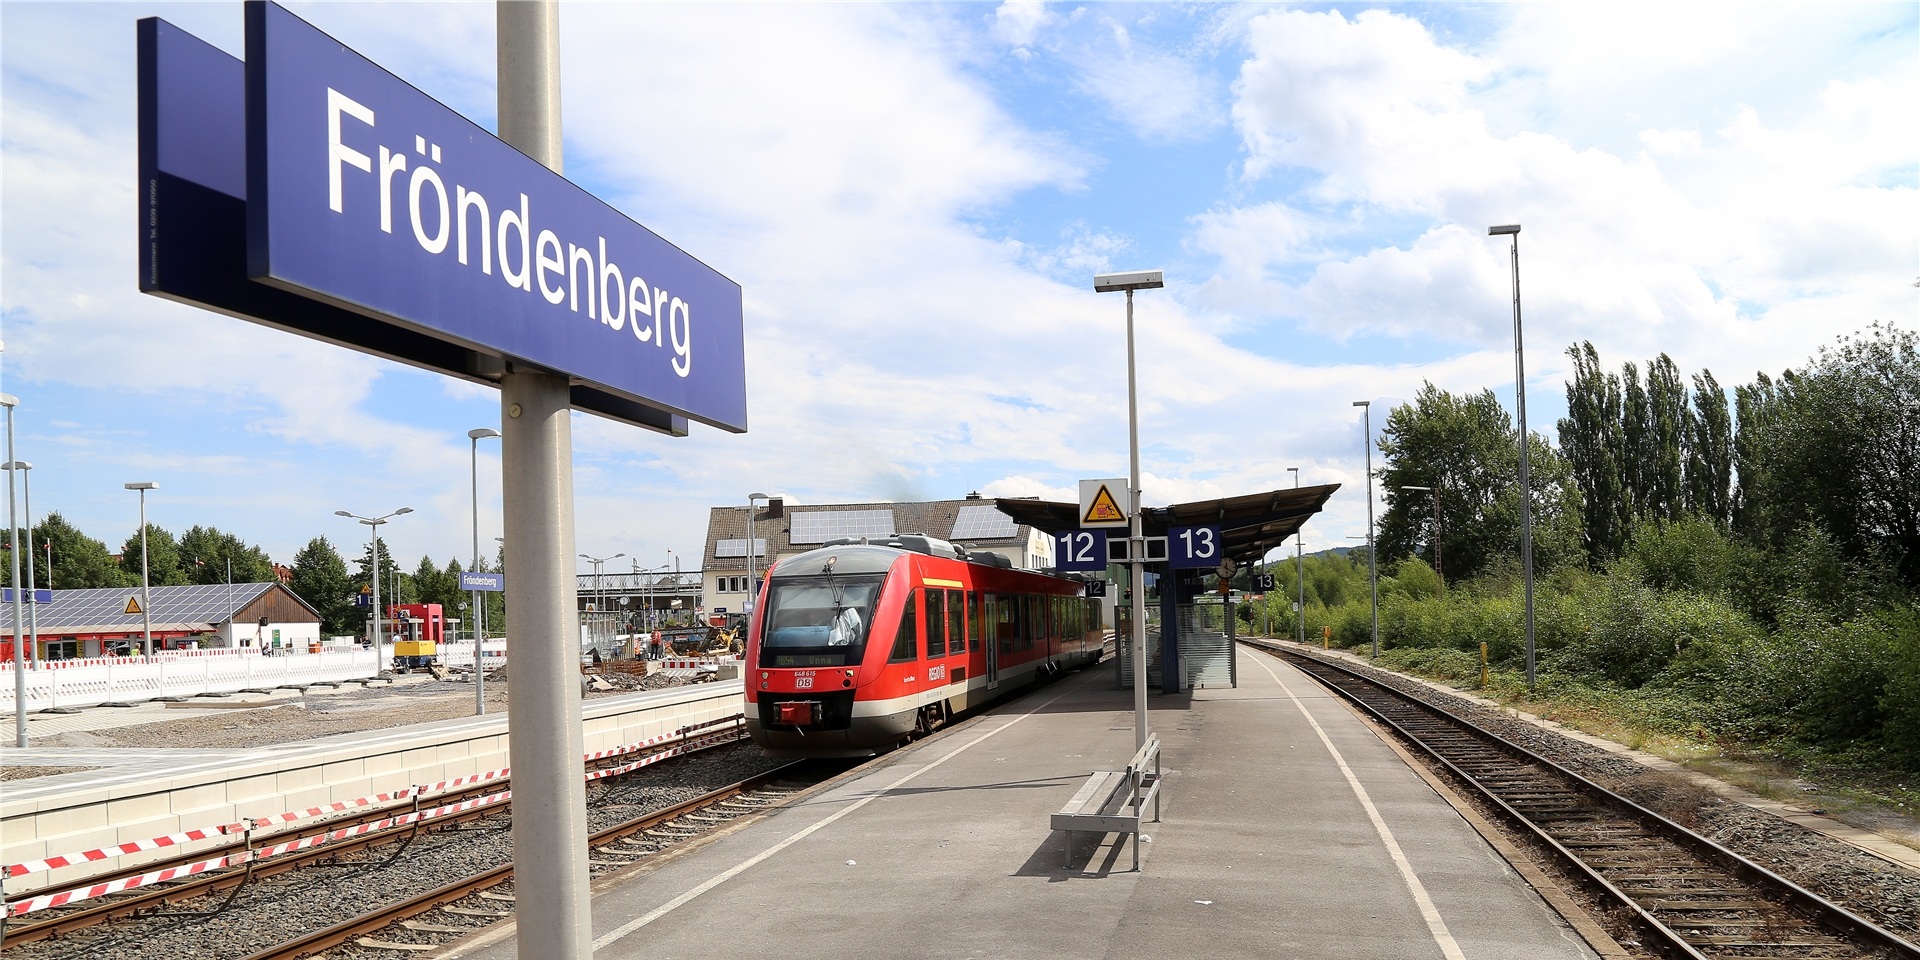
pixel 1373 571
pixel 1136 547
pixel 1520 408
pixel 1300 569
pixel 146 588
pixel 676 577
pixel 9 401
pixel 373 545
pixel 1439 532
pixel 599 579
pixel 33 614
pixel 474 437
pixel 753 586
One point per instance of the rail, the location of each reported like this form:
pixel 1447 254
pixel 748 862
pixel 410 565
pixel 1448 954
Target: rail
pixel 1689 895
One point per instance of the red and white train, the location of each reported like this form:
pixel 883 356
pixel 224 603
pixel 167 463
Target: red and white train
pixel 855 647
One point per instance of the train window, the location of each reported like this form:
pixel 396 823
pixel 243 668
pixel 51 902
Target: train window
pixel 936 623
pixel 977 620
pixel 956 622
pixel 906 643
pixel 815 622
pixel 1000 614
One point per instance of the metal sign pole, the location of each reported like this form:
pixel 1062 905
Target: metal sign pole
pixel 19 641
pixel 543 715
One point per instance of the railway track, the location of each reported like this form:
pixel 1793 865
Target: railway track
pixel 382 928
pixel 263 853
pixel 1689 896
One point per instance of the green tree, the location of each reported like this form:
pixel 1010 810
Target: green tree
pixel 1835 445
pixel 432 584
pixel 362 574
pixel 1465 447
pixel 79 561
pixel 320 578
pixel 163 553
pixel 1669 427
pixel 205 551
pixel 1592 439
pixel 1710 453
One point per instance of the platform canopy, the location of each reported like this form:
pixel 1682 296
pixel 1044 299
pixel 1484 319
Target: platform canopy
pixel 1251 525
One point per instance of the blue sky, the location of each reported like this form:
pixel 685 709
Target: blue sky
pixel 914 198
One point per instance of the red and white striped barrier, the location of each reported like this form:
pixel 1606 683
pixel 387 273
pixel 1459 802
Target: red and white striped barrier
pixel 122 849
pixel 206 833
pixel 65 897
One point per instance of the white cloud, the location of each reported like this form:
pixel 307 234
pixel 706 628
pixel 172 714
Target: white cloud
pixel 1018 22
pixel 1159 95
pixel 1701 244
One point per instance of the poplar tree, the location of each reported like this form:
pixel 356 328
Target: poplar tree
pixel 1669 426
pixel 1592 440
pixel 1710 453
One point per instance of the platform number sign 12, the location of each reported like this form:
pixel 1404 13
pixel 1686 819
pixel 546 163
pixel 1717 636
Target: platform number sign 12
pixel 1193 547
pixel 1082 551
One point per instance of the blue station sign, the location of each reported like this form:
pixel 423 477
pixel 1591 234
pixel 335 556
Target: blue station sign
pixel 308 189
pixel 1191 548
pixel 364 192
pixel 488 582
pixel 1080 551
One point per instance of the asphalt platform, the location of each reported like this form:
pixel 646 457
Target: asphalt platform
pixel 1290 830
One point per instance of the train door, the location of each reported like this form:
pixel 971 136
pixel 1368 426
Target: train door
pixel 992 639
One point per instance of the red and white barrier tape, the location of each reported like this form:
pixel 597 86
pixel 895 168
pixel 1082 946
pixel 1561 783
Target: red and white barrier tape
pixel 122 849
pixel 115 886
pixel 205 833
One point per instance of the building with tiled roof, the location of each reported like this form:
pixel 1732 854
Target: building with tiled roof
pixel 102 621
pixel 783 530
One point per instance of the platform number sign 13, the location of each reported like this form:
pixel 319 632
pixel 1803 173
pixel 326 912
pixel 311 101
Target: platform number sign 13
pixel 1193 547
pixel 1082 551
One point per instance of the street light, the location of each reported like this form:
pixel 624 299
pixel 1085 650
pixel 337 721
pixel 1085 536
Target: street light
pixel 146 589
pixel 10 401
pixel 1520 407
pixel 33 614
pixel 753 586
pixel 1299 568
pixel 1439 532
pixel 474 437
pixel 599 579
pixel 373 545
pixel 1373 572
pixel 1136 547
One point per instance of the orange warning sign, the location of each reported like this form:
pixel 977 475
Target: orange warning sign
pixel 1103 509
pixel 133 604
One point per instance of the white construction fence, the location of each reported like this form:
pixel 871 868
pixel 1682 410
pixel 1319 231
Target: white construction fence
pixel 184 673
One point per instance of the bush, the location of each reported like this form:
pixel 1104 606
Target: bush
pixel 1637 633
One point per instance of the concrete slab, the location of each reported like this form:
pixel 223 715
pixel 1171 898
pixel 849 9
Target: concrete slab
pixel 1290 830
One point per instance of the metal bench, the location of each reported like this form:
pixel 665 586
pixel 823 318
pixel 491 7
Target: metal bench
pixel 1114 801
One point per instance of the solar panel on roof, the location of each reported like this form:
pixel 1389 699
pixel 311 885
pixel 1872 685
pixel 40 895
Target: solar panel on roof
pixel 107 606
pixel 737 547
pixel 983 522
pixel 819 526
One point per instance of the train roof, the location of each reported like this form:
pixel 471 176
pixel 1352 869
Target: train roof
pixel 858 556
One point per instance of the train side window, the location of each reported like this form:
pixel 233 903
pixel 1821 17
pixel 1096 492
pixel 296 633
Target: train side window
pixel 1003 619
pixel 977 618
pixel 936 623
pixel 906 643
pixel 956 622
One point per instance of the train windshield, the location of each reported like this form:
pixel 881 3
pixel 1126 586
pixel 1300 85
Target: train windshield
pixel 818 621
